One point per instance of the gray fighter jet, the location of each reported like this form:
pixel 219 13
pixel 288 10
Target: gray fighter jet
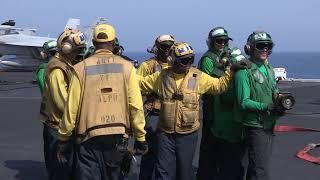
pixel 20 47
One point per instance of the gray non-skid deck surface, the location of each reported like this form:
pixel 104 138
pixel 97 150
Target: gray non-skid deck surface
pixel 21 155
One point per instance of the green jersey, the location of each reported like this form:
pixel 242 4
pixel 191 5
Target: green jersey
pixel 255 88
pixel 220 108
pixel 40 75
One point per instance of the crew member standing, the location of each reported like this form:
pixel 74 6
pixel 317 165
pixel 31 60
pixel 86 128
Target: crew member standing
pixel 57 77
pixel 49 50
pixel 152 104
pixel 222 142
pixel 104 105
pixel 179 88
pixel 255 89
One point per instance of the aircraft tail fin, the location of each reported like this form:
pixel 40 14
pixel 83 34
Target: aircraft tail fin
pixel 72 23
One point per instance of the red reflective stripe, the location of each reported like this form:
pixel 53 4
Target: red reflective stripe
pixel 282 128
pixel 303 154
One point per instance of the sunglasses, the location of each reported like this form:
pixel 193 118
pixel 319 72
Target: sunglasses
pixel 221 41
pixel 264 46
pixel 186 60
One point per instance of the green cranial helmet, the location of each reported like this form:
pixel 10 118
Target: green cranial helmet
pixel 257 37
pixel 50 46
pixel 218 32
pixel 218 36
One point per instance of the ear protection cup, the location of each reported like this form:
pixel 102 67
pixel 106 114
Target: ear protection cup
pixel 247 49
pixel 209 39
pixel 210 33
pixel 155 49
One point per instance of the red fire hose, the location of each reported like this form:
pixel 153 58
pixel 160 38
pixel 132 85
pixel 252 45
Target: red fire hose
pixel 302 154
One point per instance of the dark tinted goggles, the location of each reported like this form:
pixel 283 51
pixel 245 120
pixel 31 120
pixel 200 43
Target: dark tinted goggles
pixel 186 60
pixel 221 41
pixel 263 46
pixel 165 46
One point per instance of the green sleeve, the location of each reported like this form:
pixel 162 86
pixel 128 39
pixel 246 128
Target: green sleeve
pixel 242 86
pixel 40 79
pixel 207 65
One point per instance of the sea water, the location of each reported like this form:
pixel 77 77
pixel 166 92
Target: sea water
pixel 298 64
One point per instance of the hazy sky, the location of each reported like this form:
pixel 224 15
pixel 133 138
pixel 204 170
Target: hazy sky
pixel 293 24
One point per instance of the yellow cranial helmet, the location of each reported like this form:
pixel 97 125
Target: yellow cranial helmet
pixel 182 49
pixel 70 39
pixel 104 33
pixel 181 52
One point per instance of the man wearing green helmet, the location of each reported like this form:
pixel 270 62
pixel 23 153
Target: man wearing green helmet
pixel 255 89
pixel 221 148
pixel 49 50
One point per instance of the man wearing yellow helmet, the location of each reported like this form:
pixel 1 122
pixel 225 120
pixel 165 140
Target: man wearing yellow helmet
pixel 179 88
pixel 118 50
pixel 104 105
pixel 152 105
pixel 57 77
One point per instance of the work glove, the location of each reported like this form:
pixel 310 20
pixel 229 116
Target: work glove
pixel 140 147
pixel 63 148
pixel 126 164
pixel 276 110
pixel 271 107
pixel 223 60
pixel 243 64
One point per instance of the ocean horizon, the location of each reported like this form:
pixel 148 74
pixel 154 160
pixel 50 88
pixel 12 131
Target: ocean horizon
pixel 298 64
